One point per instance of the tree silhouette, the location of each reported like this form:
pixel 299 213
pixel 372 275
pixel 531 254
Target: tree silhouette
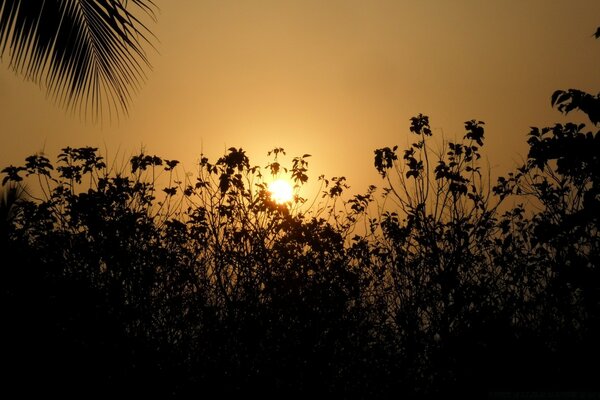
pixel 88 54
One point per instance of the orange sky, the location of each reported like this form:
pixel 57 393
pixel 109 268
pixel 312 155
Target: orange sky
pixel 332 78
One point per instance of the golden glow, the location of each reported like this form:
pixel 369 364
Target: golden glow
pixel 281 191
pixel 329 78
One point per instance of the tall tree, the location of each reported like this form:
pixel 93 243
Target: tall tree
pixel 88 54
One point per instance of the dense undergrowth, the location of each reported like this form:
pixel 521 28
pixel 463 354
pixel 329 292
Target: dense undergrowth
pixel 436 282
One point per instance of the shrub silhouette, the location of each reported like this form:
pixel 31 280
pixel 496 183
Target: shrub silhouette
pixel 558 243
pixel 148 281
pixel 223 264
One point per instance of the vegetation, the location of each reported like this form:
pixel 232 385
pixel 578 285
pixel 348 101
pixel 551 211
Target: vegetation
pixel 89 55
pixel 117 284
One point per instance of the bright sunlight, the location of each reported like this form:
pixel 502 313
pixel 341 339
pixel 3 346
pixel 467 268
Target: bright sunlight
pixel 281 191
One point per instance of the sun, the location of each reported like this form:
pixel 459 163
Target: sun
pixel 281 191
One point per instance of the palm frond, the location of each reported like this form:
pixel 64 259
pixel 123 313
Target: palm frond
pixel 88 54
pixel 9 196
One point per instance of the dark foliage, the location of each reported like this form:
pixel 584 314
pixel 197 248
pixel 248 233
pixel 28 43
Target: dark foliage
pixel 88 54
pixel 113 286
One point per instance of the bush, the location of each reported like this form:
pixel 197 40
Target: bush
pixel 138 281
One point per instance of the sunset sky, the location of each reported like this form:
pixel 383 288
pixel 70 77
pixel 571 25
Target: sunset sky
pixel 336 79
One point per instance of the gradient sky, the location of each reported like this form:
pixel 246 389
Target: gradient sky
pixel 336 79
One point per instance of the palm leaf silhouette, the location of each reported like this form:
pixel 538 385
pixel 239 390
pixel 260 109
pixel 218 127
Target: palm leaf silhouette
pixel 9 196
pixel 88 54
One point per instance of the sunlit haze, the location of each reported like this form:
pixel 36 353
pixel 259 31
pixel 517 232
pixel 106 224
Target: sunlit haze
pixel 336 79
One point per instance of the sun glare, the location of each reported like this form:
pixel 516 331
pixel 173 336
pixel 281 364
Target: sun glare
pixel 281 191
